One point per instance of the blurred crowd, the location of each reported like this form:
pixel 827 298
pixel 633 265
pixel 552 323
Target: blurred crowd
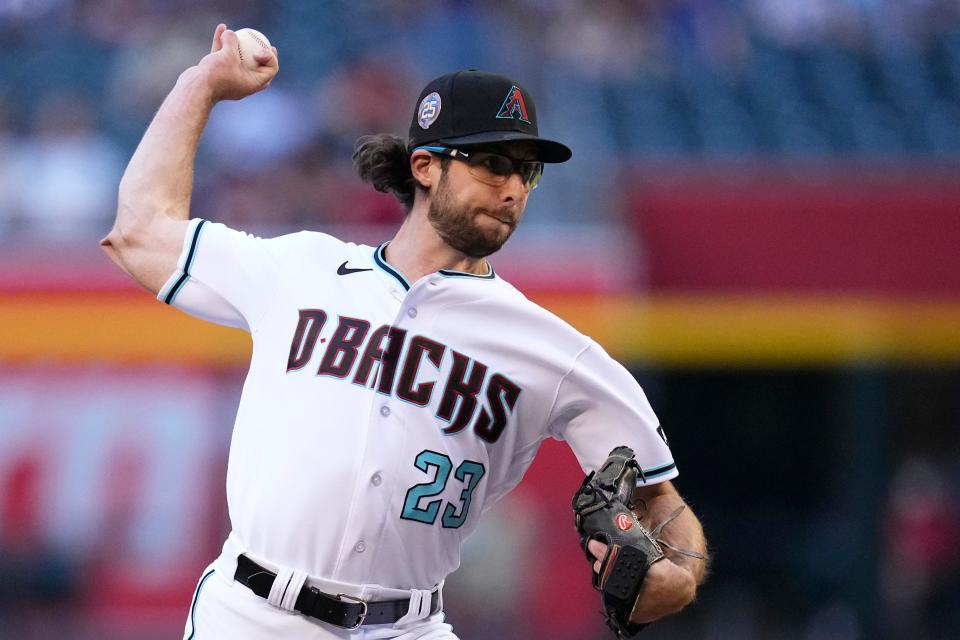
pixel 623 82
pixel 919 574
pixel 618 80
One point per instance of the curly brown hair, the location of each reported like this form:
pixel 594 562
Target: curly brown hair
pixel 383 161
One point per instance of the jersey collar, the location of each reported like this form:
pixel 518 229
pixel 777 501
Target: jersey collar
pixel 380 259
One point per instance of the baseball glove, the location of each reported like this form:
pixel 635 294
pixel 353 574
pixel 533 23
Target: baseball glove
pixel 603 507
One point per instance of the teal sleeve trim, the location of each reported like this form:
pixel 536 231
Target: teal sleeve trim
pixel 187 264
pixel 659 471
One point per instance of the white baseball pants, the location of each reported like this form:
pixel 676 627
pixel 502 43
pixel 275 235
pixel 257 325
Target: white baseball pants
pixel 224 609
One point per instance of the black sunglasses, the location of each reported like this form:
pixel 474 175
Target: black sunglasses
pixel 493 168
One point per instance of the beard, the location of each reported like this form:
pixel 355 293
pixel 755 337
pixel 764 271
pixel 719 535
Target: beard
pixel 454 223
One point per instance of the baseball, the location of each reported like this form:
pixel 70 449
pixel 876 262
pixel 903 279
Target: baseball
pixel 251 42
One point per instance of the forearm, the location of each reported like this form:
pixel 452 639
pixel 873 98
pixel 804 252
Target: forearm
pixel 672 576
pixel 670 584
pixel 154 199
pixel 159 178
pixel 684 532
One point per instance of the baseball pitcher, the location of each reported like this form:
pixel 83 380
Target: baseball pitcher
pixel 396 392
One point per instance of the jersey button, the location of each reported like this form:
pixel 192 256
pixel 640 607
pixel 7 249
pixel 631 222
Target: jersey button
pixel 384 411
pixel 412 312
pixel 360 547
pixel 376 479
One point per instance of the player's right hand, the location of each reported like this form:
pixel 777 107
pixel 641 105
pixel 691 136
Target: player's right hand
pixel 228 77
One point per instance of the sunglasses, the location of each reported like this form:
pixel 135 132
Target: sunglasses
pixel 493 168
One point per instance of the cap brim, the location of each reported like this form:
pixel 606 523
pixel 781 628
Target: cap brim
pixel 547 150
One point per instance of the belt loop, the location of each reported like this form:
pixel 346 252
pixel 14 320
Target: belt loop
pixel 420 600
pixel 286 588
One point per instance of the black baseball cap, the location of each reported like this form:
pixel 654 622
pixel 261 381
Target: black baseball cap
pixel 469 109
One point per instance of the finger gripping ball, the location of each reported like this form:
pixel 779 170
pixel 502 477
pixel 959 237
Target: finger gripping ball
pixel 250 42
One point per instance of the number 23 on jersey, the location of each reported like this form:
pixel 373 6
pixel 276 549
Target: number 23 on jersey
pixel 417 507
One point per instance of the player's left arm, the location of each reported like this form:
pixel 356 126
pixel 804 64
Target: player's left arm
pixel 600 406
pixel 670 584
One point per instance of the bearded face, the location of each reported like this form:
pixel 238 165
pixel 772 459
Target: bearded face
pixel 472 230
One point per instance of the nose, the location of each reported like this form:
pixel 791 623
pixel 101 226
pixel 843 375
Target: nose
pixel 514 189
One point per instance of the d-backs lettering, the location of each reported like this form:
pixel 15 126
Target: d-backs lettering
pixel 354 349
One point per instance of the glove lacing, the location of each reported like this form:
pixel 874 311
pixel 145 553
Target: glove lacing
pixel 656 532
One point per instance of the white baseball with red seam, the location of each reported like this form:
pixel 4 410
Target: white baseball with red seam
pixel 251 42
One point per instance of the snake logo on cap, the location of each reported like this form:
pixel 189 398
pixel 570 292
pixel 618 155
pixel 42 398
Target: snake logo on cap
pixel 429 110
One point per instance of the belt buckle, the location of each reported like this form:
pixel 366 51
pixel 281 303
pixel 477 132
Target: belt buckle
pixel 363 609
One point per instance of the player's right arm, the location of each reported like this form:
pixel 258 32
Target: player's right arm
pixel 153 205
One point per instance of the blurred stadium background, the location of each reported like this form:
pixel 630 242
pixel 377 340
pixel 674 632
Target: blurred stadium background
pixel 760 218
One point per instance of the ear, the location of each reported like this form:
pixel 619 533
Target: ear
pixel 420 163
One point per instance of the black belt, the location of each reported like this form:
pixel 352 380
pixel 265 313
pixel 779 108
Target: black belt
pixel 340 610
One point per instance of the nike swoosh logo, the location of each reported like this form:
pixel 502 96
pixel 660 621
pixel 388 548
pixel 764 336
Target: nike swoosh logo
pixel 344 270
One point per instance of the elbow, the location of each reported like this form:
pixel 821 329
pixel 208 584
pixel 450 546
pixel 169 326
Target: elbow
pixel 114 241
pixel 113 244
pixel 108 242
pixel 120 237
pixel 131 226
pixel 128 230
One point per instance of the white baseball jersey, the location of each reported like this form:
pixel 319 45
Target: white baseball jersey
pixel 380 418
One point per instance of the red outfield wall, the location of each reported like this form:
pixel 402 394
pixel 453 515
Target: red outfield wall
pixel 879 229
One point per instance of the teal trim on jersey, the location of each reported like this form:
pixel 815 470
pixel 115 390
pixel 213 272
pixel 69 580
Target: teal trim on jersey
pixel 381 261
pixel 659 471
pixel 182 280
pixel 463 274
pixel 193 604
pixel 187 264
